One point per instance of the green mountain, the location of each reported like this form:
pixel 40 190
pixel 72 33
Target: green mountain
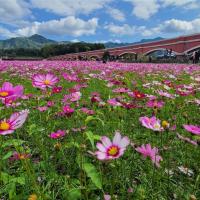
pixel 37 42
pixel 33 42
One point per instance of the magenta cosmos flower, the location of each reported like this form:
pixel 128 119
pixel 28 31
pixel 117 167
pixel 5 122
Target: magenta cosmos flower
pixel 67 110
pixel 44 81
pixel 147 151
pixel 7 90
pixel 151 123
pixel 108 149
pixel 192 129
pixel 58 134
pixel 16 121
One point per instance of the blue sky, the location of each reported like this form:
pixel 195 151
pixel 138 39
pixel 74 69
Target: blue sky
pixel 99 20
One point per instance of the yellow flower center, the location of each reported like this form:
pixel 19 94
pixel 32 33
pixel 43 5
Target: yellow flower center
pixel 47 82
pixel 157 126
pixel 22 157
pixel 113 151
pixel 4 94
pixel 33 197
pixel 4 126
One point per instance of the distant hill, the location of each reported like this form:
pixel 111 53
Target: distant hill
pixel 33 42
pixel 38 41
pixel 113 45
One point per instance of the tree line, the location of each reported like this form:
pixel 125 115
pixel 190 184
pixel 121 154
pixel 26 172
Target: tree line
pixel 51 50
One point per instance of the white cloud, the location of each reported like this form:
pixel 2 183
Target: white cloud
pixel 120 30
pixel 116 14
pixel 6 33
pixel 169 27
pixel 180 26
pixel 181 3
pixel 65 26
pixel 11 11
pixel 75 40
pixel 144 9
pixel 70 7
pixel 174 27
pixel 111 40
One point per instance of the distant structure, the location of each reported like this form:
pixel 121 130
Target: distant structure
pixel 182 45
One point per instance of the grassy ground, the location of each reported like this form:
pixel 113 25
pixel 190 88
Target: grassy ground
pixel 64 169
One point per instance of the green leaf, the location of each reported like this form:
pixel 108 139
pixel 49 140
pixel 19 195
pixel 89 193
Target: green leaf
pixel 74 194
pixel 93 174
pixel 91 137
pixel 8 155
pixel 20 180
pixel 89 118
pixel 4 177
pixel 13 142
pixel 72 144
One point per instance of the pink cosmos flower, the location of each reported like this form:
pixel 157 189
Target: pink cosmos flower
pixel 73 97
pixel 192 129
pixel 108 150
pixel 7 90
pixel 151 123
pixel 186 139
pixel 166 94
pixel 57 134
pixel 107 197
pixel 147 151
pixel 42 108
pixel 121 90
pixel 70 77
pixel 19 156
pixel 16 121
pixel 114 102
pixel 87 111
pixel 10 101
pixel 155 104
pixel 67 110
pixel 50 103
pixel 44 81
pixel 95 97
pixel 56 89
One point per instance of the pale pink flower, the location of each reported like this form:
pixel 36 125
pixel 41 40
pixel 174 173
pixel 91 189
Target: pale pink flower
pixel 108 149
pixel 107 197
pixel 151 123
pixel 155 104
pixel 8 126
pixel 42 108
pixel 121 90
pixel 70 77
pixel 44 81
pixel 192 129
pixel 114 102
pixel 152 153
pixel 87 111
pixel 73 97
pixel 186 139
pixel 166 94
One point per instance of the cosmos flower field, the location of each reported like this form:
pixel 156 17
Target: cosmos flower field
pixel 92 131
